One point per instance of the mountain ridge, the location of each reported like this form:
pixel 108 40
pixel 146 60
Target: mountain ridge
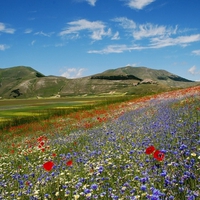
pixel 26 82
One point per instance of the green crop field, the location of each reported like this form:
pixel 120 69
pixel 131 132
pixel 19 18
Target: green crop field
pixel 21 111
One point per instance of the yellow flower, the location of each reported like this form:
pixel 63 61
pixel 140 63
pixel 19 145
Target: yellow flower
pixel 76 196
pixel 193 154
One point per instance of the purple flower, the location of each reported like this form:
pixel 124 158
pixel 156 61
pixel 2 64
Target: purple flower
pixel 143 188
pixel 94 186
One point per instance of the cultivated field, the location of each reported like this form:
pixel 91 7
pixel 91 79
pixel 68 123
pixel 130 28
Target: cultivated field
pixel 144 148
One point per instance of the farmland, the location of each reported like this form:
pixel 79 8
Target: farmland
pixel 142 148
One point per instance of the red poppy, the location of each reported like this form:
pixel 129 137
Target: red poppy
pixel 158 155
pixel 27 183
pixel 150 149
pixel 42 138
pixel 54 154
pixel 69 163
pixel 48 165
pixel 42 143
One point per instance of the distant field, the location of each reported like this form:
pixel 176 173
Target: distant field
pixel 17 109
pixel 20 108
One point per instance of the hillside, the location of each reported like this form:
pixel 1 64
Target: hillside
pixel 140 73
pixel 25 82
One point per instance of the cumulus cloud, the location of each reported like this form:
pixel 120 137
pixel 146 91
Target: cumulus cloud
pixel 196 52
pixel 131 65
pixel 138 4
pixel 92 2
pixel 96 28
pixel 193 70
pixel 3 47
pixel 4 29
pixel 72 72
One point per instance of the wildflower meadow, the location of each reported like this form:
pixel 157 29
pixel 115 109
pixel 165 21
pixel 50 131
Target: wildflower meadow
pixel 146 148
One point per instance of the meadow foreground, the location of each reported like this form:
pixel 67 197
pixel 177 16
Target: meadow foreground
pixel 142 149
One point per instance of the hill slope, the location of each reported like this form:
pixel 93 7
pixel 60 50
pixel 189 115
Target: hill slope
pixel 140 73
pixel 25 82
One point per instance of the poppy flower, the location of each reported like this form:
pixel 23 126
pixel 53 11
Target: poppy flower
pixel 158 155
pixel 48 165
pixel 54 154
pixel 69 163
pixel 150 149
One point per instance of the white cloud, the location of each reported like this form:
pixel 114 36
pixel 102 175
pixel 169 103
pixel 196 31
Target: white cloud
pixel 151 30
pixel 180 40
pixel 148 30
pixel 97 28
pixel 125 22
pixel 115 36
pixel 193 70
pixel 116 49
pixel 139 4
pixel 92 2
pixel 27 31
pixel 131 65
pixel 196 52
pixel 4 29
pixel 44 34
pixel 73 72
pixel 33 42
pixel 155 43
pixel 59 44
pixel 3 47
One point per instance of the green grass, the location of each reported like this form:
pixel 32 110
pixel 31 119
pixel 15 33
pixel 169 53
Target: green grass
pixel 21 111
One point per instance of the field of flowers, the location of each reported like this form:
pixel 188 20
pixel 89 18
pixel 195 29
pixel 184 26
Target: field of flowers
pixel 147 148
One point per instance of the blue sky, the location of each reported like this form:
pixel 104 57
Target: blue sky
pixel 75 38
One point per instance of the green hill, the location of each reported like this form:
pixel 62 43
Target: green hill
pixel 25 82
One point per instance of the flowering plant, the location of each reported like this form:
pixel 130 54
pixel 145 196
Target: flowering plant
pixel 158 155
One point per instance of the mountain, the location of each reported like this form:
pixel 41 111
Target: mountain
pixel 25 82
pixel 139 73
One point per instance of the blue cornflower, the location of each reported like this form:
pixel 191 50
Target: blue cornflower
pixel 131 151
pixel 94 186
pixel 136 178
pixel 86 191
pixel 183 146
pixel 192 197
pixel 163 173
pixel 100 169
pixel 78 185
pixel 143 188
pixel 46 195
pixel 155 197
pixel 171 197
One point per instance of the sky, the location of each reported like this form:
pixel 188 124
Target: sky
pixel 77 38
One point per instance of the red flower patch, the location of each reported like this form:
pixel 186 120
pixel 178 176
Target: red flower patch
pixel 158 155
pixel 150 150
pixel 54 154
pixel 48 165
pixel 69 163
